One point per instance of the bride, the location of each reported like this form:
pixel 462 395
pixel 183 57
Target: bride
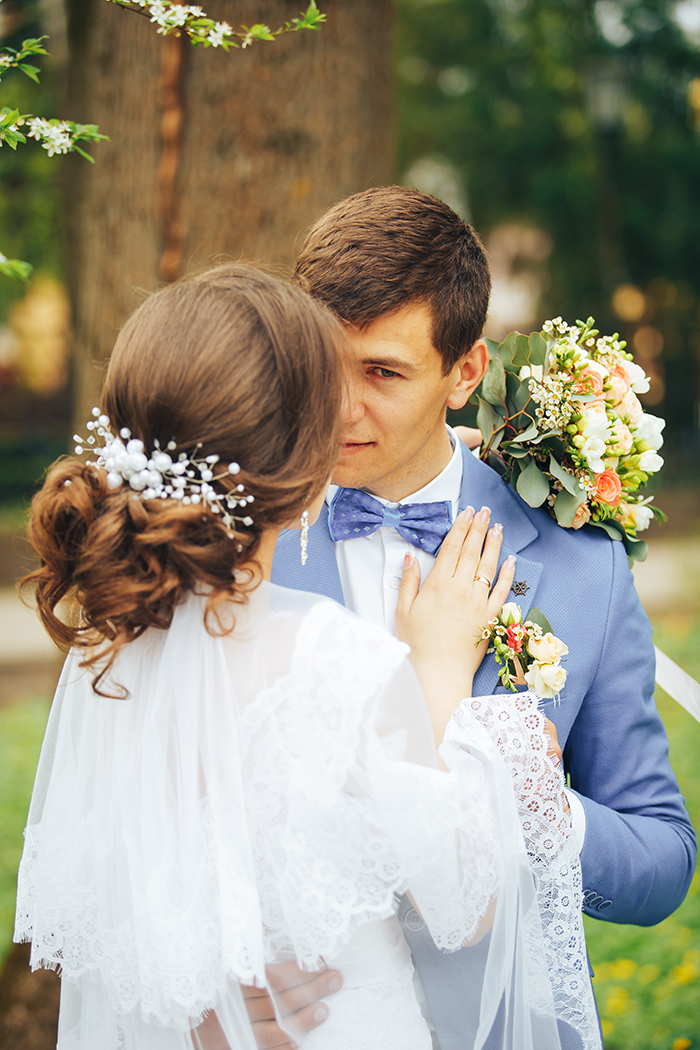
pixel 236 776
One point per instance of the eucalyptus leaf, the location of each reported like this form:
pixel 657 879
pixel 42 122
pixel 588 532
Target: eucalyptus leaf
pixel 614 530
pixel 488 420
pixel 522 351
pixel 493 385
pixel 570 483
pixel 506 350
pixel 496 462
pixel 538 349
pixel 530 434
pixel 538 617
pixel 533 485
pixel 515 450
pixel 637 550
pixel 565 507
pixel 522 396
pixel 513 385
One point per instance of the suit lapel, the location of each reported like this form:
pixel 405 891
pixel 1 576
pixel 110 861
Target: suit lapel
pixel 320 574
pixel 483 485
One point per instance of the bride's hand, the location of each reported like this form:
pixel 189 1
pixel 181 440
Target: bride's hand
pixel 442 620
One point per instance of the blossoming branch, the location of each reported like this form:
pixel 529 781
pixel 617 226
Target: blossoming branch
pixel 172 17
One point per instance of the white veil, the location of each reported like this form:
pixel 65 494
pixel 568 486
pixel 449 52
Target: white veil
pixel 263 794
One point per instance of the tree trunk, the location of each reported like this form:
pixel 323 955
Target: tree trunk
pixel 212 155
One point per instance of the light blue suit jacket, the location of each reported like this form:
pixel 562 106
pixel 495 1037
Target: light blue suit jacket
pixel 639 852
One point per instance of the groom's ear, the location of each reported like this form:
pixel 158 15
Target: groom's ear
pixel 468 372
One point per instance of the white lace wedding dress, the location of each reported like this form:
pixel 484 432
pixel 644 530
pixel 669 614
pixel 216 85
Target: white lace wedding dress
pixel 264 795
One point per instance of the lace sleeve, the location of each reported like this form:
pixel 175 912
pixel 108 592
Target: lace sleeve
pixel 511 729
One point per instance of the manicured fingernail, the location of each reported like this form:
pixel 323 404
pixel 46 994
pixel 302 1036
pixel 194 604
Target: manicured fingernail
pixel 407 561
pixel 467 514
pixel 497 530
pixel 321 1012
pixel 335 984
pixel 510 560
pixel 484 514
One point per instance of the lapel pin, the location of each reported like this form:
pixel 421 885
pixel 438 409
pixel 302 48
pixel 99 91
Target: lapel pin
pixel 520 587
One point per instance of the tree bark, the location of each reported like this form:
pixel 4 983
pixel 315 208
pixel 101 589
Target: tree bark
pixel 213 155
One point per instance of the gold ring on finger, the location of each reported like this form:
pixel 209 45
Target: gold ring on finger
pixel 482 579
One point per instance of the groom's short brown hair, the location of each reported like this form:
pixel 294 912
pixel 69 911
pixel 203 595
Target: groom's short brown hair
pixel 389 246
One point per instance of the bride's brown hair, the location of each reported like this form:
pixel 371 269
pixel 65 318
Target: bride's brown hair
pixel 232 360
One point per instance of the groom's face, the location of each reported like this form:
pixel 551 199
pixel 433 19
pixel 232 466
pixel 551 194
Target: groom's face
pixel 393 441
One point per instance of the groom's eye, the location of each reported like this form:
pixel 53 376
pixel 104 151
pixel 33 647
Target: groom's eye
pixel 386 373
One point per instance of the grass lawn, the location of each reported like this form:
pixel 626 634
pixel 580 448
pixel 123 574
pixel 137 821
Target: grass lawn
pixel 647 980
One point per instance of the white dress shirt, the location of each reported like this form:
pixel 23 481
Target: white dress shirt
pixel 371 567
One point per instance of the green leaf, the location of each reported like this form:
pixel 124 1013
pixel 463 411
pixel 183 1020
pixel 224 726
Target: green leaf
pixel 31 71
pixel 522 396
pixel 537 616
pixel 522 351
pixel 637 550
pixel 16 268
pixel 515 450
pixel 493 385
pixel 613 528
pixel 495 462
pixel 77 149
pixel 538 349
pixel 488 420
pixel 533 485
pixel 506 350
pixel 528 435
pixel 565 507
pixel 570 483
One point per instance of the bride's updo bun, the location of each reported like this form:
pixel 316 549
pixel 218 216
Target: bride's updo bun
pixel 232 363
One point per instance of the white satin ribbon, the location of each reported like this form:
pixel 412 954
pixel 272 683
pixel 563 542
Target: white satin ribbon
pixel 678 684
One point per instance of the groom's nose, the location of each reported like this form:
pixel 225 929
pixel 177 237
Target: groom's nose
pixel 353 408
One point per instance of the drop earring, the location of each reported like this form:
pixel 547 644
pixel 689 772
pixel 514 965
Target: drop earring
pixel 304 536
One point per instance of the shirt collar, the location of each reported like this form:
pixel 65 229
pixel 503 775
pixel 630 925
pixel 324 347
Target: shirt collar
pixel 446 486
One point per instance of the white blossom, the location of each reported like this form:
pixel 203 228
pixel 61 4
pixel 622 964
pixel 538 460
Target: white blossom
pixel 593 450
pixel 649 429
pixel 650 462
pixel 218 33
pixel 636 375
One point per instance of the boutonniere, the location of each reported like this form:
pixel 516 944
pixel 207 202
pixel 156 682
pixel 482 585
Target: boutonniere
pixel 528 652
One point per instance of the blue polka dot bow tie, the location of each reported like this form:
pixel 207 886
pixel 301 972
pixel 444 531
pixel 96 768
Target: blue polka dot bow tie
pixel 355 513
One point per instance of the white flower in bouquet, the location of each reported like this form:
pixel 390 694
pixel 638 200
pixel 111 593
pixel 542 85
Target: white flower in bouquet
pixel 649 429
pixel 650 462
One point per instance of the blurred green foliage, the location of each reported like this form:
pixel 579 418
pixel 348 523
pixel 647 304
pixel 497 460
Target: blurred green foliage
pixel 21 732
pixel 582 119
pixel 30 200
pixel 648 980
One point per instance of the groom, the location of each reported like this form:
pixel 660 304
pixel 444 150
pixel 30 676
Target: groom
pixel 410 281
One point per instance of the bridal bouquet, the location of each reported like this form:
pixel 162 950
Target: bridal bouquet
pixel 527 653
pixel 562 423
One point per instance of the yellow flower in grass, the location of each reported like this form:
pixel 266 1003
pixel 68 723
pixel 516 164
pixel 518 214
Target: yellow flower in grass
pixel 618 1002
pixel 648 973
pixel 607 1027
pixel 684 974
pixel 623 969
pixel 681 1044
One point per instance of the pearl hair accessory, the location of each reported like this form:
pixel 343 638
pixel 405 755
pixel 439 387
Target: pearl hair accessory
pixel 162 476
